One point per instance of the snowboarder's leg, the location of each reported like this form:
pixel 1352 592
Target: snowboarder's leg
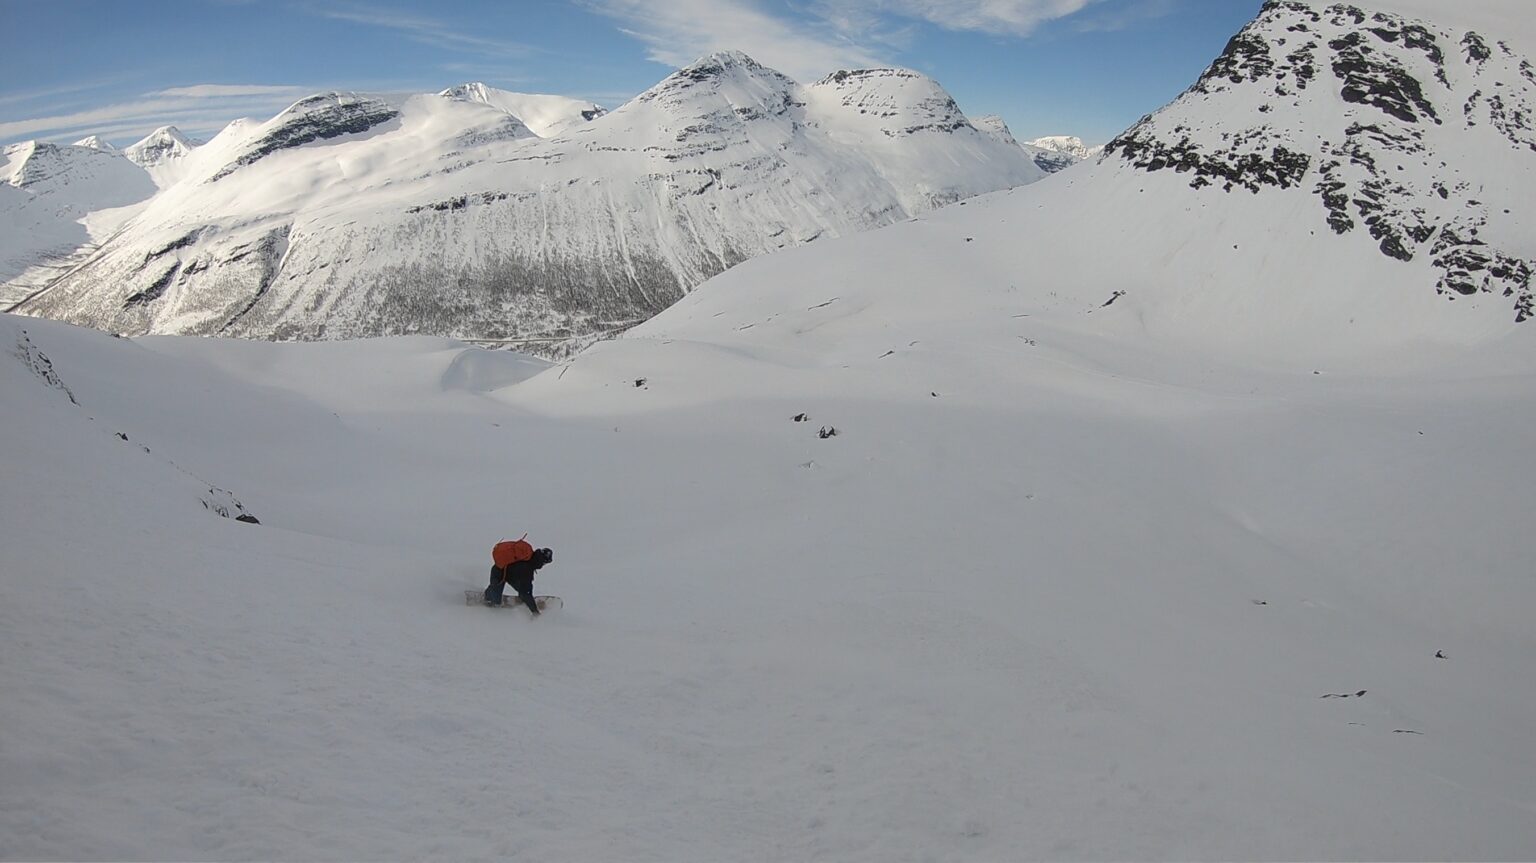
pixel 527 598
pixel 493 592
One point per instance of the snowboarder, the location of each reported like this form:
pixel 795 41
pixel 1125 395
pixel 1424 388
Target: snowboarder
pixel 514 563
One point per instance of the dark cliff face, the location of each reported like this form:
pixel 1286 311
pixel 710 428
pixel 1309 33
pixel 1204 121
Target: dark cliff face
pixel 1371 113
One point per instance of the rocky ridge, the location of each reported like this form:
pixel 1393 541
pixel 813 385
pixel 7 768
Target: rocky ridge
pixel 1400 128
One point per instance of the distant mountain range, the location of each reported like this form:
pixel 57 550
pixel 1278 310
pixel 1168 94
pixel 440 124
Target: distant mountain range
pixel 480 213
pixel 1344 182
pixel 1050 154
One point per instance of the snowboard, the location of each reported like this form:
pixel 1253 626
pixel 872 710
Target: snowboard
pixel 545 603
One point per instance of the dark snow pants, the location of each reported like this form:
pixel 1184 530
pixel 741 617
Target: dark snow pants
pixel 499 584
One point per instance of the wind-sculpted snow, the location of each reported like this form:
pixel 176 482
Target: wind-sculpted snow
pixel 348 216
pixel 1421 136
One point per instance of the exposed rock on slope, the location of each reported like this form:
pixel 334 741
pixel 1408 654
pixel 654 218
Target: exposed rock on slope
pixel 1421 136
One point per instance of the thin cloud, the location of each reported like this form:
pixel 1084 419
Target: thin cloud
pixel 680 31
pixel 200 109
pixel 1127 17
pixel 427 31
pixel 490 73
pixel 211 91
pixel 61 90
pixel 823 35
pixel 998 17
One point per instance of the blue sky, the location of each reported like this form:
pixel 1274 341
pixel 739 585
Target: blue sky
pixel 69 68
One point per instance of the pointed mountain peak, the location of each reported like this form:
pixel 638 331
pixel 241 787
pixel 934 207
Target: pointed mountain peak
pixel 728 81
pixel 724 64
pixel 473 91
pixel 161 145
pixel 169 134
pixel 94 142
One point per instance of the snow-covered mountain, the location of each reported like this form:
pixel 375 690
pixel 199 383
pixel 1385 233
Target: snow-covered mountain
pixel 1068 145
pixel 95 143
pixel 350 215
pixel 1345 181
pixel 45 190
pixel 545 116
pixel 1050 159
pixel 1395 125
pixel 165 145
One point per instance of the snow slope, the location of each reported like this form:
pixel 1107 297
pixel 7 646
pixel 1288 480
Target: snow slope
pixel 1231 564
pixel 352 215
pixel 545 116
pixel 1044 595
pixel 45 190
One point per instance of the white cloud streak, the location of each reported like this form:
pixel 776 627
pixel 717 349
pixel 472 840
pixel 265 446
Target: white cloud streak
pixel 677 32
pixel 214 91
pixel 428 31
pixel 998 17
pixel 828 34
pixel 1126 17
pixel 200 109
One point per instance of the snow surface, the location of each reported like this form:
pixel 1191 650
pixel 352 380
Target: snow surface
pixel 1132 544
pixel 1055 589
pixel 545 116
